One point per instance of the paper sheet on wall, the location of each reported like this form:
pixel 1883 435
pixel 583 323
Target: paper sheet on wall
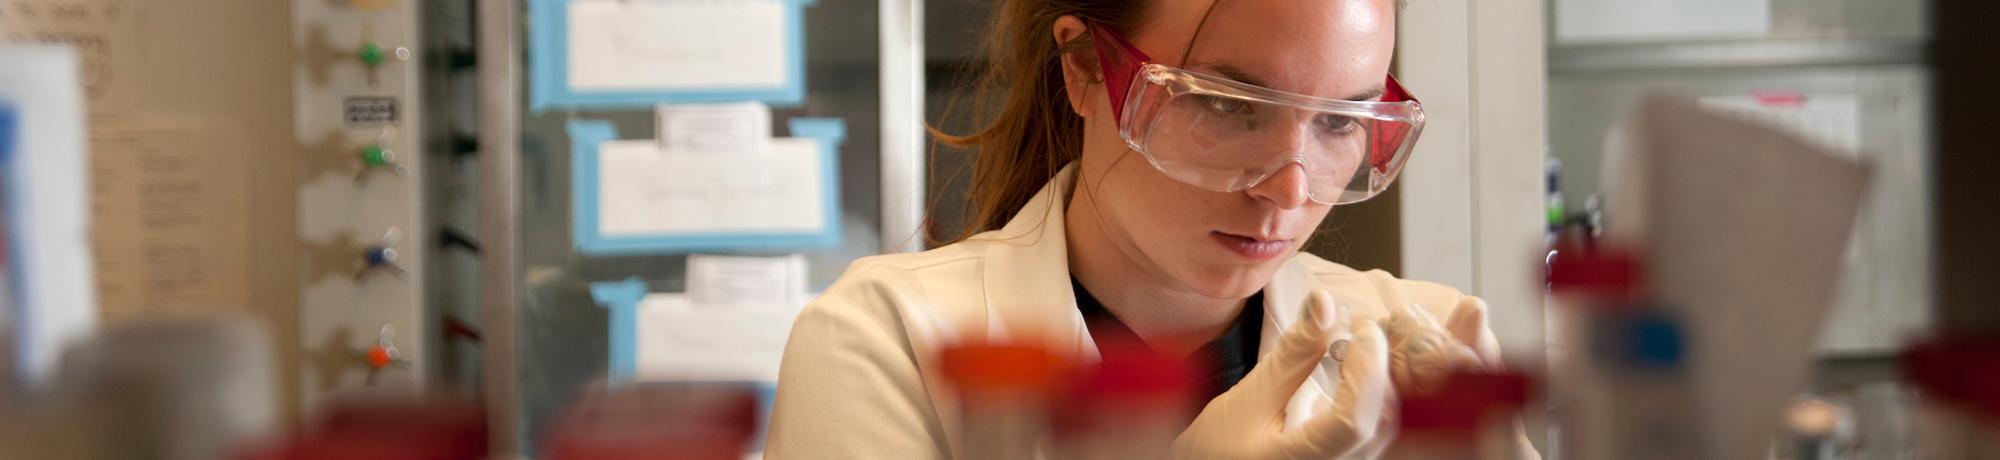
pixel 678 341
pixel 643 191
pixel 169 203
pixel 651 45
pixel 1655 20
pixel 1743 227
pixel 104 32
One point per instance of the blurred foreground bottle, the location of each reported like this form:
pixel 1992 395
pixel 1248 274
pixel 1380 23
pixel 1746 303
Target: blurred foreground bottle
pixel 193 387
pixel 1468 417
pixel 1621 360
pixel 1004 394
pixel 658 421
pixel 386 425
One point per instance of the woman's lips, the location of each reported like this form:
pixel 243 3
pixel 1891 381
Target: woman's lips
pixel 1252 248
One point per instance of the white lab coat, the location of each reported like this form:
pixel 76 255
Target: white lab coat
pixel 860 378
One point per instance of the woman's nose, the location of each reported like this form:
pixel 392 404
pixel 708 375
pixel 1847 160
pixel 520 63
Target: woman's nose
pixel 1287 186
pixel 1284 188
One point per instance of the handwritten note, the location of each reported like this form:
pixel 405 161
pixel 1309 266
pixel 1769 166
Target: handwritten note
pixel 643 191
pixel 660 46
pixel 678 341
pixel 104 32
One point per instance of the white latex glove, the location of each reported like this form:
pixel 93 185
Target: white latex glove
pixel 1423 352
pixel 1468 324
pixel 1246 422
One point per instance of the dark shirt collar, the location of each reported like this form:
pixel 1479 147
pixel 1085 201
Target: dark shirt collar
pixel 1223 361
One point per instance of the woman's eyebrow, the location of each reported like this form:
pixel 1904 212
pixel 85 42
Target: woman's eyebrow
pixel 1234 73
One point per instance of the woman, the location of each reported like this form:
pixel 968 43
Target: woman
pixel 1153 171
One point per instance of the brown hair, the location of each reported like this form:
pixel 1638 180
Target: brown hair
pixel 1026 130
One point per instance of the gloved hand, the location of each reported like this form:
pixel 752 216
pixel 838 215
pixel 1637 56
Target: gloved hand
pixel 1423 351
pixel 1246 422
pixel 1468 324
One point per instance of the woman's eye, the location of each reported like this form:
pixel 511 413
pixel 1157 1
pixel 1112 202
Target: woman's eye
pixel 1336 124
pixel 1226 106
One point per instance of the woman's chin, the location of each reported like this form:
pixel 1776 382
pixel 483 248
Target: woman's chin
pixel 1231 283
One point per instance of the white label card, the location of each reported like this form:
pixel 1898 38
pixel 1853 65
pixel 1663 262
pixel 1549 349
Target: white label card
pixel 679 342
pixel 659 46
pixel 746 282
pixel 737 127
pixel 646 192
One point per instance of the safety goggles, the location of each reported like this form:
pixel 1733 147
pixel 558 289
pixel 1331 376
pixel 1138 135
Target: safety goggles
pixel 1220 134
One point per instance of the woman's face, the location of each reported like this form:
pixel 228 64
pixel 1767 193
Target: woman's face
pixel 1227 245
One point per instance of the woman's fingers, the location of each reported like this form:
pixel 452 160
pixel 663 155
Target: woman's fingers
pixel 1468 325
pixel 1357 403
pixel 1262 394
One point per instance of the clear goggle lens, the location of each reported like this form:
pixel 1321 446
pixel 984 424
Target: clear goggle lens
pixel 1221 135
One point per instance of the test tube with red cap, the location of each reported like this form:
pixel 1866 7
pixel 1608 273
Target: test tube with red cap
pixel 1620 360
pixel 1004 394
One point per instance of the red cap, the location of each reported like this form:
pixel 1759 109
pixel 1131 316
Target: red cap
pixel 1134 371
pixel 1130 376
pixel 665 421
pixel 1964 371
pixel 1464 401
pixel 988 367
pixel 440 429
pixel 1601 270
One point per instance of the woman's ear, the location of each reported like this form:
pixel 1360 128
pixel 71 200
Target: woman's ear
pixel 1077 74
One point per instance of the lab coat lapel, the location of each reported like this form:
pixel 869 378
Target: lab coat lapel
pixel 1024 293
pixel 1027 284
pixel 1283 298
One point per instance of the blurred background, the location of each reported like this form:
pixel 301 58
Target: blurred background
pixel 365 228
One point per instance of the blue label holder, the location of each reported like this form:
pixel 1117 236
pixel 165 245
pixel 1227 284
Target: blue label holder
pixel 622 299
